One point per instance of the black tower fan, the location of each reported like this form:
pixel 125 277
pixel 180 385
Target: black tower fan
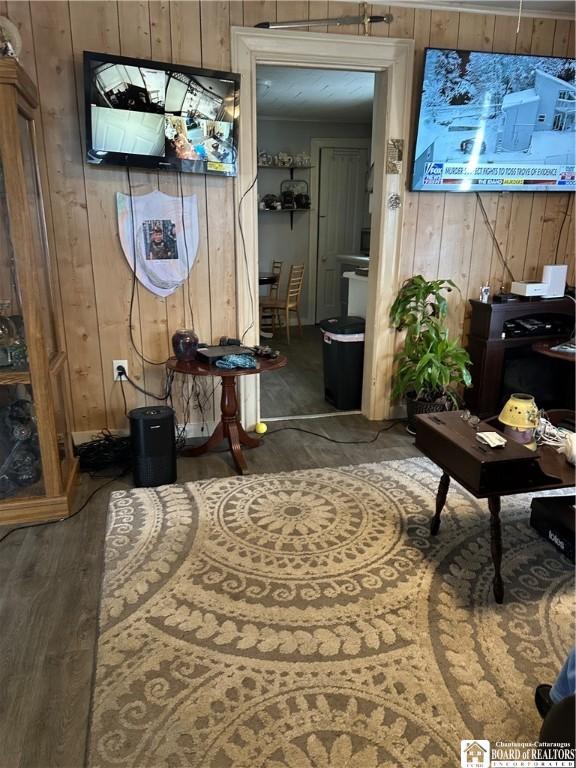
pixel 153 446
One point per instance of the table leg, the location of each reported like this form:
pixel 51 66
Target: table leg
pixel 440 501
pixel 496 547
pixel 229 428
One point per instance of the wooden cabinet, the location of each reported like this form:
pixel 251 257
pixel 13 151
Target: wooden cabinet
pixel 496 350
pixel 37 466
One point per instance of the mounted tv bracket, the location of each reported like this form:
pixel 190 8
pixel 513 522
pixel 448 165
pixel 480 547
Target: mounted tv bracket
pixel 366 19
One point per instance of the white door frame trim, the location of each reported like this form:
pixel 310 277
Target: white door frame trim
pixel 315 146
pixel 393 57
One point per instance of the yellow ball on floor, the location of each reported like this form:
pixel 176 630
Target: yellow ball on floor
pixel 261 428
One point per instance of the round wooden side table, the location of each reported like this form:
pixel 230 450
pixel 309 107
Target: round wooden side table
pixel 229 428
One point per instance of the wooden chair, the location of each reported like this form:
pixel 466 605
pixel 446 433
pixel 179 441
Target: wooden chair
pixel 267 317
pixel 290 302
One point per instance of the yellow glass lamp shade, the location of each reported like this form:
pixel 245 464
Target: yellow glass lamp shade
pixel 520 419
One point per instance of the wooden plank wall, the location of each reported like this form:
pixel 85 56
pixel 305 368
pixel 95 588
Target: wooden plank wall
pixel 443 235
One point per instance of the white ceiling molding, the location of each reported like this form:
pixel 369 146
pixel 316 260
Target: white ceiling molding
pixel 551 9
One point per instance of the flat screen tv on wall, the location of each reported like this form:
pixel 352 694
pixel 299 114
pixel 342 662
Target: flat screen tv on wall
pixel 154 115
pixel 495 122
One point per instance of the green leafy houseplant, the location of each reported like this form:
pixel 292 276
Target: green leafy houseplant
pixel 430 367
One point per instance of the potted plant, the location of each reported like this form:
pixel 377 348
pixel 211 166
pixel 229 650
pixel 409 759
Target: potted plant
pixel 430 368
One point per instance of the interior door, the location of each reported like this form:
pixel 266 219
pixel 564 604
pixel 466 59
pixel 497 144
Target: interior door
pixel 343 204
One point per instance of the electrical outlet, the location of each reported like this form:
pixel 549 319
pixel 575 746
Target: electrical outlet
pixel 115 364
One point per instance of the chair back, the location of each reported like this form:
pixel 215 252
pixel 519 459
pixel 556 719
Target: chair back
pixel 276 270
pixel 295 281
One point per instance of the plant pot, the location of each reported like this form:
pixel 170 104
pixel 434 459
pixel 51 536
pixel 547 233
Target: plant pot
pixel 414 407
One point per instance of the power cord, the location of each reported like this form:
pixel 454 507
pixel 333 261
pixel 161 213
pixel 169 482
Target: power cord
pixel 251 325
pixel 338 442
pixel 104 451
pixel 121 371
pixel 65 519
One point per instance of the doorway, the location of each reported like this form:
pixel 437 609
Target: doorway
pixel 392 60
pixel 314 136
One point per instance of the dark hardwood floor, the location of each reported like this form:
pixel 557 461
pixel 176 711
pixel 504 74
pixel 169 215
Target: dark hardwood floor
pixel 50 583
pixel 298 389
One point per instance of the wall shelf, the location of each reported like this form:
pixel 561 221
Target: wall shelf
pixel 291 211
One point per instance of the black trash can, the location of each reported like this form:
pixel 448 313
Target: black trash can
pixel 343 361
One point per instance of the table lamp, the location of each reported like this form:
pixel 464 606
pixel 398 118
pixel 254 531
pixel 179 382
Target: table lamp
pixel 520 419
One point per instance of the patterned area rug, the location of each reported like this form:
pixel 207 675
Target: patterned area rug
pixel 308 620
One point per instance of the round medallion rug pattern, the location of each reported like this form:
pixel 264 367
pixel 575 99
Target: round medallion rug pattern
pixel 309 620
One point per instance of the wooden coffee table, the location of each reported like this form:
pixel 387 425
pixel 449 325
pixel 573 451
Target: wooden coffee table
pixel 488 473
pixel 229 427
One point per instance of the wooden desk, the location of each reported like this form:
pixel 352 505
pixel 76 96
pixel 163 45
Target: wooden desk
pixel 487 473
pixel 229 428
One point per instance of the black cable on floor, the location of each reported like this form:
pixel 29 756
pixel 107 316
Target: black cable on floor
pixel 332 440
pixel 65 519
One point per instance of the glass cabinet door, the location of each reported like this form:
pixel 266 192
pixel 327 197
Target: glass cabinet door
pixel 20 460
pixel 13 353
pixel 38 234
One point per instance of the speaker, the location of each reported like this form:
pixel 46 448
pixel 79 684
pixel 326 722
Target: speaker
pixel 153 442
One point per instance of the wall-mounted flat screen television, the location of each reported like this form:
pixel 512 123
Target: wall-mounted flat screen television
pixel 162 116
pixel 495 122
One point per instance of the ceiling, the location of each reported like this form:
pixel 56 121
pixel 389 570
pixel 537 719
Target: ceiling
pixel 547 8
pixel 294 93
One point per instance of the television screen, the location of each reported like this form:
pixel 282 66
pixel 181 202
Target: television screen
pixel 162 116
pixel 495 122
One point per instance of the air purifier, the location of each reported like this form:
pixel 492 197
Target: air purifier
pixel 153 442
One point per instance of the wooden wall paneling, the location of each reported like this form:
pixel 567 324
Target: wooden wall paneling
pixel 160 30
pixel 543 31
pixel 444 28
pixel 457 217
pixel 508 40
pixel 80 199
pixel 185 31
pixel 337 8
pixel 236 13
pixel 220 206
pixel 555 213
pixel 520 215
pixel 318 9
pixel 196 291
pixel 292 10
pixel 543 36
pixel 51 29
pixel 94 26
pixel 169 183
pixel 475 32
pixel 572 40
pixel 443 33
pixel 256 11
pixel 480 258
pixel 534 237
pixel 499 276
pixel 561 38
pixel 411 214
pixel 135 40
pixel 567 246
pixel 402 24
pixel 383 29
